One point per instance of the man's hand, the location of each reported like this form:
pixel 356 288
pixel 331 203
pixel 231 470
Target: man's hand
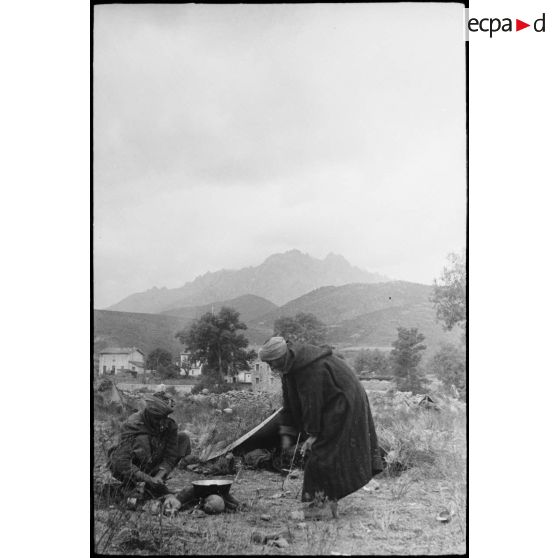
pixel 154 482
pixel 160 474
pixel 286 442
pixel 307 446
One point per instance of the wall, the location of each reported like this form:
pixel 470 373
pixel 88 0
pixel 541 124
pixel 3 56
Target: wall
pixel 120 361
pixel 183 388
pixel 263 379
pixel 117 360
pixel 136 356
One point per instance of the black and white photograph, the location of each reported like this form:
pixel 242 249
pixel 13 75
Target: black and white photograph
pixel 279 279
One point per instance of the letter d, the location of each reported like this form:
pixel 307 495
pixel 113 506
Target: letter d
pixel 541 30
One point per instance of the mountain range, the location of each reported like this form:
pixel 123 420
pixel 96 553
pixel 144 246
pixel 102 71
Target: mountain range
pixel 357 314
pixel 279 279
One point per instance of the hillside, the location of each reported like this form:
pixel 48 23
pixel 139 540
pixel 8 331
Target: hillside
pixel 149 331
pixel 250 307
pixel 356 314
pixel 379 329
pixel 364 315
pixel 145 331
pixel 280 278
pixel 334 304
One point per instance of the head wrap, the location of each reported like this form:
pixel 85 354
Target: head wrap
pixel 272 349
pixel 159 404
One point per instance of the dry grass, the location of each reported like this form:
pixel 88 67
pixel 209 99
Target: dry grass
pixel 398 518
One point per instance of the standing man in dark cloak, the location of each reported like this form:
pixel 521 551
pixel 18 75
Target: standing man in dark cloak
pixel 324 401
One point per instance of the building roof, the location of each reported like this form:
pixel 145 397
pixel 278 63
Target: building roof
pixel 120 351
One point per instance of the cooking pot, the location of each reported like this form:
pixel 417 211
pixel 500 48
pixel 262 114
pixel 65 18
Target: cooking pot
pixel 203 488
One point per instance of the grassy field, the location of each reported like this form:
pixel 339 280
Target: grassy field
pixel 395 514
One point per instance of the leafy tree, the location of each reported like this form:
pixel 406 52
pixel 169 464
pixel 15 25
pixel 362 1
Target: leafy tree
pixel 448 364
pixel 168 371
pixel 405 359
pixel 303 328
pixel 373 361
pixel 215 339
pixel 158 358
pixel 450 297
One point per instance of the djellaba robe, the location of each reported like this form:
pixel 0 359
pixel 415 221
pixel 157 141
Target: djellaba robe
pixel 145 446
pixel 323 397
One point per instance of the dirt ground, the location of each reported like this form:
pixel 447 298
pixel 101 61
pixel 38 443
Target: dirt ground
pixel 393 515
pixel 396 517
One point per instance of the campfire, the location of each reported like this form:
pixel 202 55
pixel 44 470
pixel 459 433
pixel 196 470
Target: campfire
pixel 212 496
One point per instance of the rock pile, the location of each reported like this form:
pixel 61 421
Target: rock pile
pixel 232 399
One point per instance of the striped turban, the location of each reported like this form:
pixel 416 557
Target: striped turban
pixel 159 404
pixel 272 349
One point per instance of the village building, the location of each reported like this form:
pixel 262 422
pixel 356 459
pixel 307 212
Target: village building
pixel 263 378
pixel 188 367
pixel 120 360
pixel 242 377
pixel 258 377
pixel 245 376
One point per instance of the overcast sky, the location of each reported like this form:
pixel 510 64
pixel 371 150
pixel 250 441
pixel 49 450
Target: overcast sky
pixel 226 133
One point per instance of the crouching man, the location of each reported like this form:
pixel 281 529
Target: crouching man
pixel 149 447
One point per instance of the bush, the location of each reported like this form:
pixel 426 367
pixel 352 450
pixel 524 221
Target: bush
pixel 371 362
pixel 448 364
pixel 417 437
pixel 168 372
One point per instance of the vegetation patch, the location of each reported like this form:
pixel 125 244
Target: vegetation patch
pixel 395 514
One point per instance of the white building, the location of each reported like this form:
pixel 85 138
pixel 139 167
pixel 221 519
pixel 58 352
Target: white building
pixel 245 376
pixel 189 368
pixel 116 360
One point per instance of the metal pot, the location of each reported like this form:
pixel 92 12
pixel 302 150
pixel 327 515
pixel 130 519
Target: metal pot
pixel 203 488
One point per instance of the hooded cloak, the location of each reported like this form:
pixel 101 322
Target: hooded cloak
pixel 323 397
pixel 147 443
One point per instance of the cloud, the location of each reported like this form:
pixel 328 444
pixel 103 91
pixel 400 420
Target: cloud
pixel 225 133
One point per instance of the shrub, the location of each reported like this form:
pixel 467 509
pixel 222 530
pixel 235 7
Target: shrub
pixel 448 364
pixel 170 371
pixel 374 362
pixel 417 437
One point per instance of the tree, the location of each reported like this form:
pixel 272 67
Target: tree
pixel 448 364
pixel 168 371
pixel 303 328
pixel 450 296
pixel 374 361
pixel 158 358
pixel 215 340
pixel 405 359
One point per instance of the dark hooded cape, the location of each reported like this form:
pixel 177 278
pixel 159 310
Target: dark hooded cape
pixel 323 397
pixel 144 446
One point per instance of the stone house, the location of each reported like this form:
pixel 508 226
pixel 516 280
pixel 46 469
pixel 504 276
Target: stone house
pixel 119 360
pixel 263 379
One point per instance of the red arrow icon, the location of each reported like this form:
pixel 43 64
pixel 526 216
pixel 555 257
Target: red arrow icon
pixel 519 25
